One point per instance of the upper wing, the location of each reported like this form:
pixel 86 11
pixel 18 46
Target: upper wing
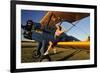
pixel 57 16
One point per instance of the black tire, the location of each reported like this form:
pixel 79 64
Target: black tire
pixel 45 58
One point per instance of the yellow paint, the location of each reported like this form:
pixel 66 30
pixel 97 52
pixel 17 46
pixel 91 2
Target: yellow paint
pixel 74 43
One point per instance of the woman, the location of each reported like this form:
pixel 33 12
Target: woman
pixel 57 37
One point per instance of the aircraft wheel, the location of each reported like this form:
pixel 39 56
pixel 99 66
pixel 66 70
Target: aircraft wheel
pixel 45 58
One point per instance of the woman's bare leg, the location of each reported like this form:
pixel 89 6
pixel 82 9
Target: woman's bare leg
pixel 49 47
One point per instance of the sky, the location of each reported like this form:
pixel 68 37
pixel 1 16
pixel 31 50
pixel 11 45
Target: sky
pixel 81 30
pixel 36 16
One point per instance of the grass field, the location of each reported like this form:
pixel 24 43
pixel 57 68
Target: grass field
pixel 63 53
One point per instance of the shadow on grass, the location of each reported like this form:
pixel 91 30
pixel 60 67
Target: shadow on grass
pixel 70 55
pixel 56 53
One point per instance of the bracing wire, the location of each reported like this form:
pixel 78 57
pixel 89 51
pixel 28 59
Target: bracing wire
pixel 74 25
